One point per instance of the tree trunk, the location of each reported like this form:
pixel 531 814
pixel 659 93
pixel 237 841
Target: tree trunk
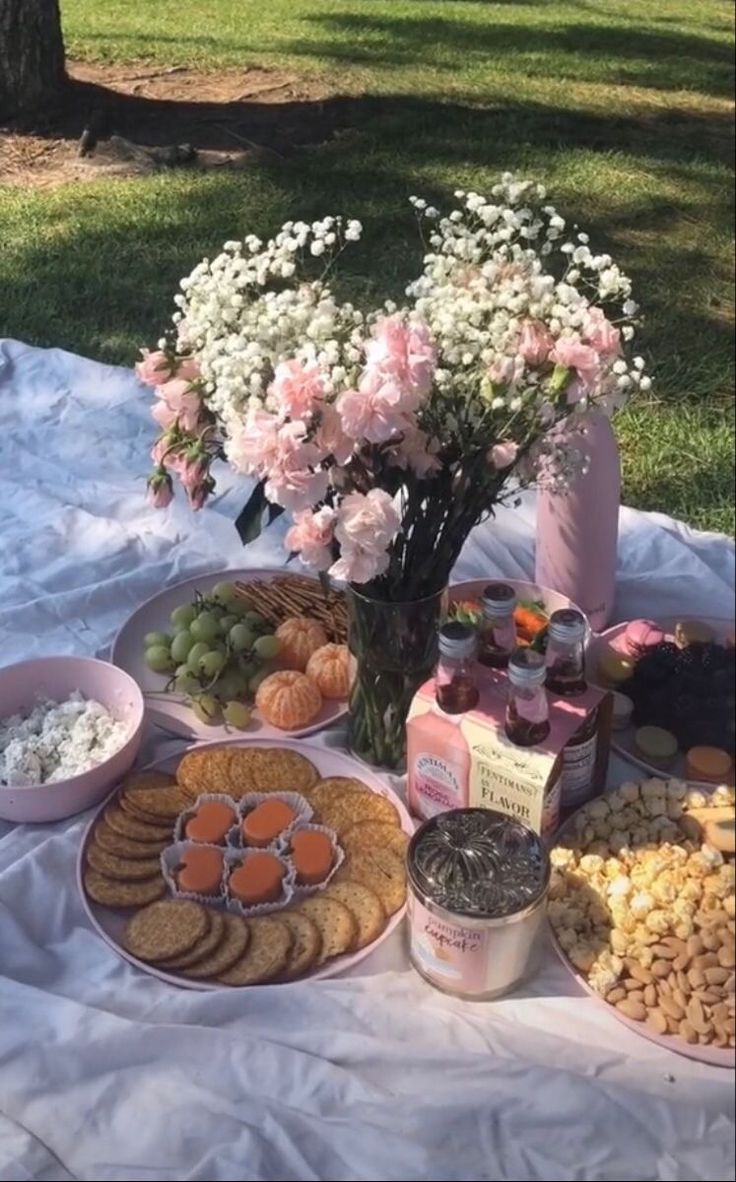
pixel 31 55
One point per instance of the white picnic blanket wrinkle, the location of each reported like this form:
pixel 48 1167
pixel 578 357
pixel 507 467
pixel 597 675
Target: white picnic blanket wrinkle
pixel 109 1074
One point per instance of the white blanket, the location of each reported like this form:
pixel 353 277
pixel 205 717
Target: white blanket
pixel 108 1074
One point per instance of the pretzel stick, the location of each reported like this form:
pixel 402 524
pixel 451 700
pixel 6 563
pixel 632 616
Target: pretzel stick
pixel 295 595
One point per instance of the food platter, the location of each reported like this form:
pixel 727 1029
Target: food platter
pixel 553 601
pixel 622 741
pixel 570 835
pixel 171 712
pixel 110 922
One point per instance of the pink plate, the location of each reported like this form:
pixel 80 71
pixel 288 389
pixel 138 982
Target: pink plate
pixel 552 600
pixel 623 741
pixel 109 923
pixel 170 712
pixel 716 1056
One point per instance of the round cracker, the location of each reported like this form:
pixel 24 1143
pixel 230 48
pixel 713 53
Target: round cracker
pixel 231 948
pixel 375 835
pixel 124 869
pixel 124 847
pixel 206 946
pixel 266 955
pixel 166 929
pixel 365 906
pixel 134 781
pixel 165 803
pixel 356 807
pixel 110 892
pixel 128 805
pixel 334 788
pixel 379 870
pixel 337 925
pixel 306 947
pixel 128 826
pixel 270 769
pixel 204 769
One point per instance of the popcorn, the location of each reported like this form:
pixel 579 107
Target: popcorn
pixel 629 792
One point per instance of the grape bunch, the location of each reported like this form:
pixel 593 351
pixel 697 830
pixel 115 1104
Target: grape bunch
pixel 216 655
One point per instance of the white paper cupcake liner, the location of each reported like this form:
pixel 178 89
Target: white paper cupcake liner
pixel 247 803
pixel 181 820
pixel 234 858
pixel 170 858
pixel 300 891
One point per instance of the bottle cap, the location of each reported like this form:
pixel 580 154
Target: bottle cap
pixel 567 625
pixel 527 667
pixel 499 600
pixel 458 640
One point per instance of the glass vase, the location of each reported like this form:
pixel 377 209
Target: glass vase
pixel 395 648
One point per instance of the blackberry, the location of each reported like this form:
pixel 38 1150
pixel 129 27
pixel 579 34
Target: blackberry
pixel 712 657
pixel 652 668
pixel 667 653
pixel 689 659
pixel 684 706
pixel 721 682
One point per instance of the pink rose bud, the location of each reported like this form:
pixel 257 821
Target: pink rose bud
pixel 160 489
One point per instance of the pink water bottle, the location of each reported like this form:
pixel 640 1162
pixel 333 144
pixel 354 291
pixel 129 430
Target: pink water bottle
pixel 577 531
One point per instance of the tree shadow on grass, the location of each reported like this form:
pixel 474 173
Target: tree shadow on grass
pixel 635 55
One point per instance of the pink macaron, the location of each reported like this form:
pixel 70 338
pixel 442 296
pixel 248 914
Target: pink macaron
pixel 640 636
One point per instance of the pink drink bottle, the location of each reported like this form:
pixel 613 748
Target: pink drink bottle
pixel 577 531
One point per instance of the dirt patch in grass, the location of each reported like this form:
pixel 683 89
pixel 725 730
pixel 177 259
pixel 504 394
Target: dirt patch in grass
pixel 133 119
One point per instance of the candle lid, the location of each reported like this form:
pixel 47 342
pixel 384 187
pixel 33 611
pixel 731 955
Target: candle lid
pixel 527 667
pixel 499 599
pixel 478 863
pixel 567 625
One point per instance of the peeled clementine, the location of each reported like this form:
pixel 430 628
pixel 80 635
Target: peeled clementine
pixel 288 699
pixel 331 669
pixel 298 638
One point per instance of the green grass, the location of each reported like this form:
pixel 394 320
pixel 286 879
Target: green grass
pixel 622 109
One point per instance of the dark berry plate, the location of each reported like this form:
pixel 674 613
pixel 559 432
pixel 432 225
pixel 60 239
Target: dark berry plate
pixel 689 692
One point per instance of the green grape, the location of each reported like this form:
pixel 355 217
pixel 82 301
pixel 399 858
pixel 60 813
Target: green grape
pixel 212 663
pixel 241 638
pixel 248 669
pixel 158 658
pixel 225 592
pixel 182 616
pixel 232 684
pixel 255 620
pixel 156 640
pixel 181 645
pixel 227 622
pixel 185 682
pixel 205 627
pixel 206 708
pixel 236 714
pixel 267 647
pixel 239 607
pixel 257 678
pixel 196 652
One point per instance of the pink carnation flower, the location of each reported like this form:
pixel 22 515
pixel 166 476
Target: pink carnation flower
pixel 404 352
pixel 154 369
pixel 601 335
pixel 177 404
pixel 311 535
pixel 535 342
pixel 366 523
pixel 373 412
pixel 255 449
pixel 330 439
pixel 418 452
pixel 572 353
pixel 294 479
pixel 296 390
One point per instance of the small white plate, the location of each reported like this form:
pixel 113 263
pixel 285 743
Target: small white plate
pixel 170 711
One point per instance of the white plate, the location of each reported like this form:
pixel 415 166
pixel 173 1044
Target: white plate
pixel 623 741
pixel 717 1056
pixel 171 712
pixel 109 922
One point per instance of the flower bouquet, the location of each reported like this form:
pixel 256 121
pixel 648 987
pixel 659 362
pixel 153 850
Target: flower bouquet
pixel 388 434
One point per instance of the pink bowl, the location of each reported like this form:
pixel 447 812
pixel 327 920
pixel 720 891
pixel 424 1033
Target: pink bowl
pixel 57 677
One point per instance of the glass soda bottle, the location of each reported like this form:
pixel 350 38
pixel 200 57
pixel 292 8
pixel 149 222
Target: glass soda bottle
pixel 456 683
pixel 566 678
pixel 497 627
pixel 527 708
